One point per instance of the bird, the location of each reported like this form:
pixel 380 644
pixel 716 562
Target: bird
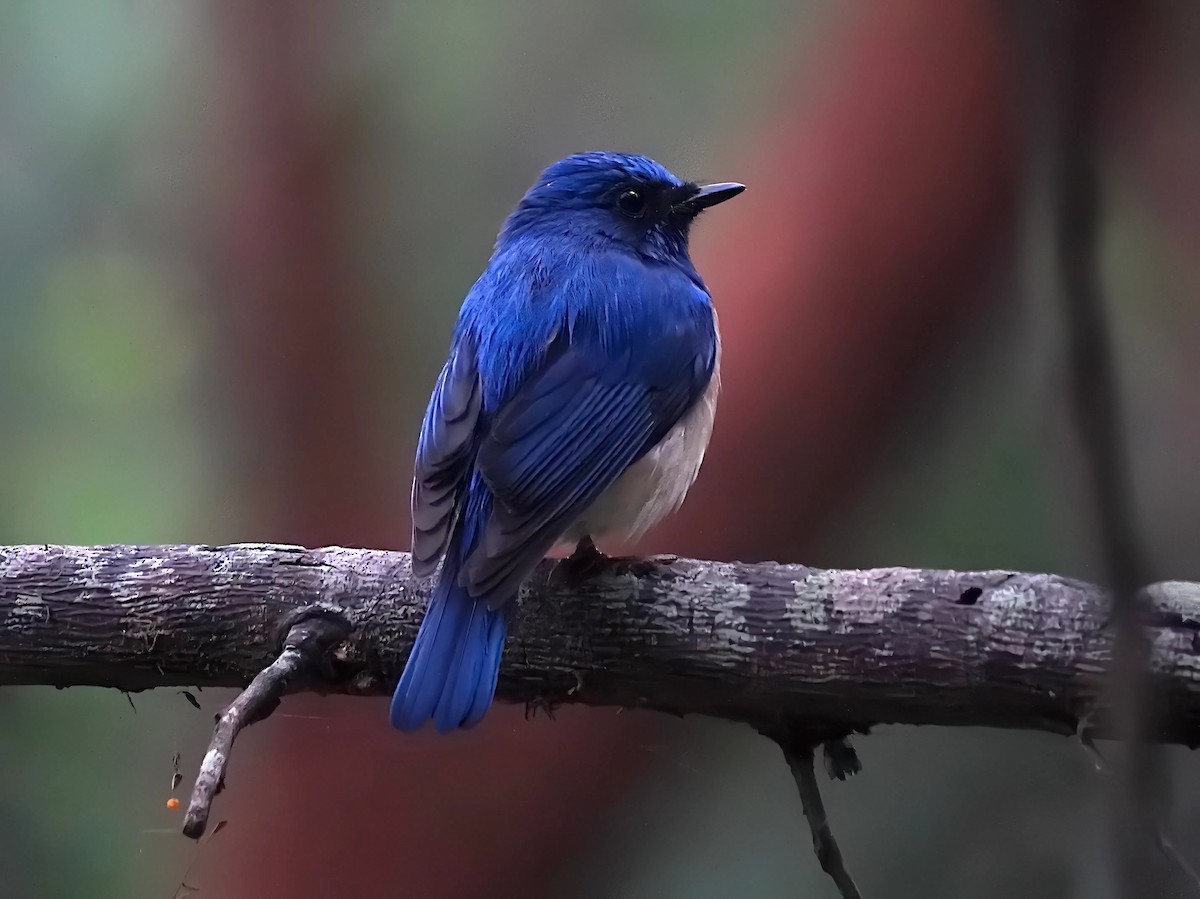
pixel 575 404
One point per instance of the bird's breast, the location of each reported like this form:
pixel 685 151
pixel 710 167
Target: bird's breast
pixel 655 485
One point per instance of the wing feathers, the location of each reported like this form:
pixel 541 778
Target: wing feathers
pixel 608 386
pixel 444 457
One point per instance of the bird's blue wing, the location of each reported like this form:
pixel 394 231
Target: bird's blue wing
pixel 593 407
pixel 445 452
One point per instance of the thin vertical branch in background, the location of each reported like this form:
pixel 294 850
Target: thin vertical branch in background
pixel 1080 27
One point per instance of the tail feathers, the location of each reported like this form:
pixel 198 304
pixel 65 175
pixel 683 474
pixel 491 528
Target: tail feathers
pixel 451 673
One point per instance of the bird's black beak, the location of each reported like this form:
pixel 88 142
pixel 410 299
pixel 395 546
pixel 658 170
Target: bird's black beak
pixel 701 197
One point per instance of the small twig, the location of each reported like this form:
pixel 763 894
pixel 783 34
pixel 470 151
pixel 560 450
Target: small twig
pixel 824 843
pixel 307 641
pixel 798 752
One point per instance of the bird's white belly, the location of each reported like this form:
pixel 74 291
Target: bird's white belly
pixel 655 485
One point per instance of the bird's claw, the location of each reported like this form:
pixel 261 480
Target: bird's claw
pixel 585 562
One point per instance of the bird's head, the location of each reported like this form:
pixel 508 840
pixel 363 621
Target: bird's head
pixel 618 197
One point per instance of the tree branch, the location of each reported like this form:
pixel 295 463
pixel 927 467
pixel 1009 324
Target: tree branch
pixel 314 632
pixel 797 745
pixel 829 855
pixel 839 650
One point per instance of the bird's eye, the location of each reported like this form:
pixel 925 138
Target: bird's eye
pixel 632 203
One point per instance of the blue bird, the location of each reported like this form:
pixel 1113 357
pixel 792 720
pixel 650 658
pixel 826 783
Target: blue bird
pixel 577 401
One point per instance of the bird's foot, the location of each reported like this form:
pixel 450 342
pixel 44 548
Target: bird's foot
pixel 585 562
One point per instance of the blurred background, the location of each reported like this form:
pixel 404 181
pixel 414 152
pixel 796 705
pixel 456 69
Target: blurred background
pixel 233 240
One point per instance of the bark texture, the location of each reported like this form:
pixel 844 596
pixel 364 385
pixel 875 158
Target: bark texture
pixel 762 642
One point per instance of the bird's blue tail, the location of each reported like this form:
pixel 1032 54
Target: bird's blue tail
pixel 451 672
